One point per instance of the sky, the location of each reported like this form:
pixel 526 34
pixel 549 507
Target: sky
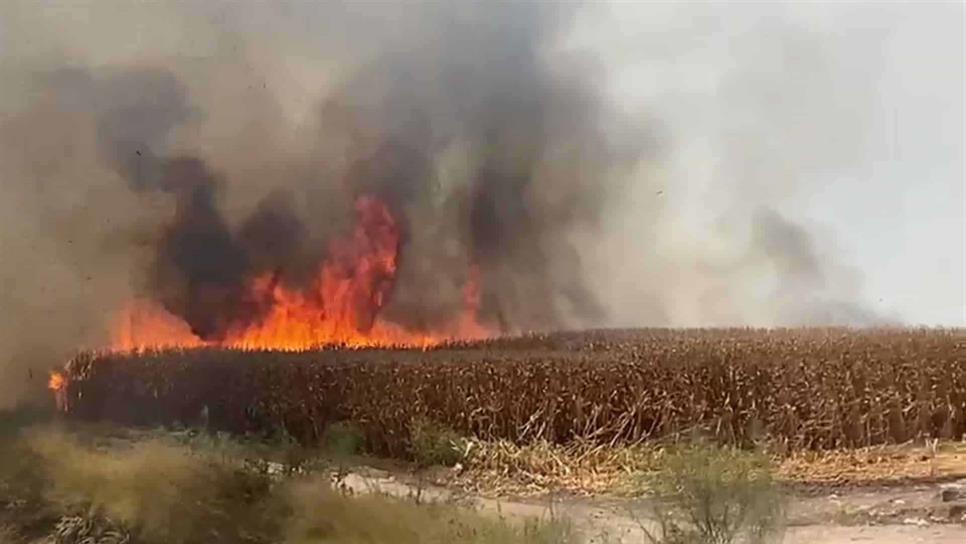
pixel 852 120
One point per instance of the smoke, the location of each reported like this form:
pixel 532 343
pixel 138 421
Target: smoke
pixel 770 111
pixel 178 151
pixel 813 290
pixel 529 139
pixel 525 143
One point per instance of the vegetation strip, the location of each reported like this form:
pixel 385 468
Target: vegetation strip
pixel 797 389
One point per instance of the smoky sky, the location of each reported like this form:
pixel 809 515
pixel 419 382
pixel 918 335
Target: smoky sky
pixel 176 151
pixel 530 136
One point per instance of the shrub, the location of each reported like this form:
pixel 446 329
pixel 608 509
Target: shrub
pixel 710 495
pixel 432 443
pixel 343 439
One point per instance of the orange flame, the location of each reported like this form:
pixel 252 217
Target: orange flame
pixel 57 382
pixel 143 324
pixel 340 308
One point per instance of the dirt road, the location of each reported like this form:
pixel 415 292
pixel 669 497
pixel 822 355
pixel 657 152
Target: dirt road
pixel 900 515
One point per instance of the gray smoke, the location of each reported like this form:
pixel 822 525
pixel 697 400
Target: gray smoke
pixel 812 290
pixel 176 150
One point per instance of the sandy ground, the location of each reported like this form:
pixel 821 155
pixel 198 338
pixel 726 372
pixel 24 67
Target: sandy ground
pixel 879 496
pixel 894 515
pixel 885 534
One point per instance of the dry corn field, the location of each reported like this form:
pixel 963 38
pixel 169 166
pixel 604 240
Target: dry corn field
pixel 796 389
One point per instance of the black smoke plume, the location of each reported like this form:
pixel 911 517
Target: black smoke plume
pixel 528 136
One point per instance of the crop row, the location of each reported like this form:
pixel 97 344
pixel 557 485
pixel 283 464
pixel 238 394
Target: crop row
pixel 798 389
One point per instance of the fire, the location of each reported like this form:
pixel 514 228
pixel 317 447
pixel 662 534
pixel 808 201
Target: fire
pixel 57 382
pixel 340 308
pixel 143 324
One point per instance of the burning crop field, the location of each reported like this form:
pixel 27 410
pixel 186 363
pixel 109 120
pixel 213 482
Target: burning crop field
pixel 558 242
pixel 794 389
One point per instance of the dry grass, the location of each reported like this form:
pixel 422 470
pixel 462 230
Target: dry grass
pixel 503 468
pixel 84 485
pixel 878 465
pixel 168 493
pixel 581 468
pixel 323 516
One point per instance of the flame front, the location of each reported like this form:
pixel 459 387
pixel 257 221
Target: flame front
pixel 143 324
pixel 340 308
